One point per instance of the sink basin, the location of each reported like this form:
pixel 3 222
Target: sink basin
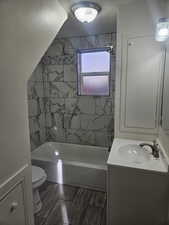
pixel 128 153
pixel 134 153
pixel 139 181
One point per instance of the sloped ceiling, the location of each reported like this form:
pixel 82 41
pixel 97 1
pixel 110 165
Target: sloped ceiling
pixel 105 22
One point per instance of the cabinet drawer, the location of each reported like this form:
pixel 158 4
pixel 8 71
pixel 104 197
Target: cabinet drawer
pixel 12 207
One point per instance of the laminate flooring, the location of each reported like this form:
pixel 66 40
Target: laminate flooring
pixel 69 205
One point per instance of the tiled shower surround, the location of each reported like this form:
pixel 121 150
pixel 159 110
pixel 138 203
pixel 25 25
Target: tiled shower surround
pixel 56 112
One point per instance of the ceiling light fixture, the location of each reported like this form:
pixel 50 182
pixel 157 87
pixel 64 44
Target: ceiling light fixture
pixel 85 11
pixel 162 29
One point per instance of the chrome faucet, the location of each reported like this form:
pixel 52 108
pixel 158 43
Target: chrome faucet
pixel 154 147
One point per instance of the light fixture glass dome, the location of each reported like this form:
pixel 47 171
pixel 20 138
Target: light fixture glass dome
pixel 162 29
pixel 86 12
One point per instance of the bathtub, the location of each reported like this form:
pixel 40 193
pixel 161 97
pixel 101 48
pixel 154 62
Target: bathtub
pixel 73 164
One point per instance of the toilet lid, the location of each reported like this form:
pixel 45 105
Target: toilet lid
pixel 37 173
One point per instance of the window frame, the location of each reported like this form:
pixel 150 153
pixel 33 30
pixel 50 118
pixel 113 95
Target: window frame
pixel 80 74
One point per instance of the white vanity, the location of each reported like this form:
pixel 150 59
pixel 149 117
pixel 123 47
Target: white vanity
pixel 138 185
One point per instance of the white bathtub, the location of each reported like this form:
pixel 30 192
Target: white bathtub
pixel 73 164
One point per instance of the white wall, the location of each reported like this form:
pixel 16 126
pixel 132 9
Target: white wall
pixel 137 18
pixel 27 28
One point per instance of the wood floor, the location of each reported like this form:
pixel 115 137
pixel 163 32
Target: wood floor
pixel 69 205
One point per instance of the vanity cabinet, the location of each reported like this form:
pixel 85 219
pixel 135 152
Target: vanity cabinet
pixel 141 72
pixel 12 207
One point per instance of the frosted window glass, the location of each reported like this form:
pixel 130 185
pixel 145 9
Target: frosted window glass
pixel 95 85
pixel 92 62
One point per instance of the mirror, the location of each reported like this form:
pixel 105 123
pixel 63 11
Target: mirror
pixel 165 93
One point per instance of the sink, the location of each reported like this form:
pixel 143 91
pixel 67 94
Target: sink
pixel 138 180
pixel 134 153
pixel 129 153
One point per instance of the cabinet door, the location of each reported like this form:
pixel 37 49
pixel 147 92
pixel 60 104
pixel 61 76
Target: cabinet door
pixel 12 207
pixel 141 77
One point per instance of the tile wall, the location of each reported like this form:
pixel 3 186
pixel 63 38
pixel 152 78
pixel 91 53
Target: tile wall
pixel 56 113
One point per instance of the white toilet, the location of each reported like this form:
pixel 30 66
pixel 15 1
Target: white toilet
pixel 38 178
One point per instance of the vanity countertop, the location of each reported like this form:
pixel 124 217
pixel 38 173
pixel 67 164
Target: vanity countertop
pixel 153 164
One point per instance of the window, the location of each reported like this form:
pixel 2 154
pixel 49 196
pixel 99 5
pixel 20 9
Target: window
pixel 94 72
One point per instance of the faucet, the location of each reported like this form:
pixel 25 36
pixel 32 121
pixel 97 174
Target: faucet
pixel 154 147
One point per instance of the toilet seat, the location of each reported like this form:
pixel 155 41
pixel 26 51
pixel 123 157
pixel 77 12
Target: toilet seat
pixel 38 176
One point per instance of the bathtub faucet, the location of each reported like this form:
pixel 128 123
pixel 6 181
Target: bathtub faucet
pixel 154 147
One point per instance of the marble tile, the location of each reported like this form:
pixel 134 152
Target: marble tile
pixel 113 68
pixel 80 136
pixel 35 123
pixel 55 60
pixel 33 108
pixel 97 123
pixel 46 104
pixel 35 90
pixel 36 106
pixel 55 134
pixel 84 44
pixel 55 120
pixel 104 40
pixel 57 105
pixel 54 73
pixel 71 121
pixel 103 106
pixel 92 122
pixel 47 89
pixel 53 90
pixel 91 41
pixel 35 140
pixel 67 46
pixel 75 42
pixel 113 87
pixel 73 136
pixel 62 89
pixel 72 106
pixel 70 72
pixel 84 105
pixel 42 134
pixel 55 49
pixel 46 60
pixel 103 138
pixel 69 59
pixel 109 123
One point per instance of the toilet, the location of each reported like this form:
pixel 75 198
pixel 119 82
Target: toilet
pixel 38 178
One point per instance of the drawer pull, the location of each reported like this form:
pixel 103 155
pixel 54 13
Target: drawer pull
pixel 14 206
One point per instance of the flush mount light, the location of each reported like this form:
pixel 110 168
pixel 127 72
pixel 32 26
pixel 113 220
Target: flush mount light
pixel 162 29
pixel 85 11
